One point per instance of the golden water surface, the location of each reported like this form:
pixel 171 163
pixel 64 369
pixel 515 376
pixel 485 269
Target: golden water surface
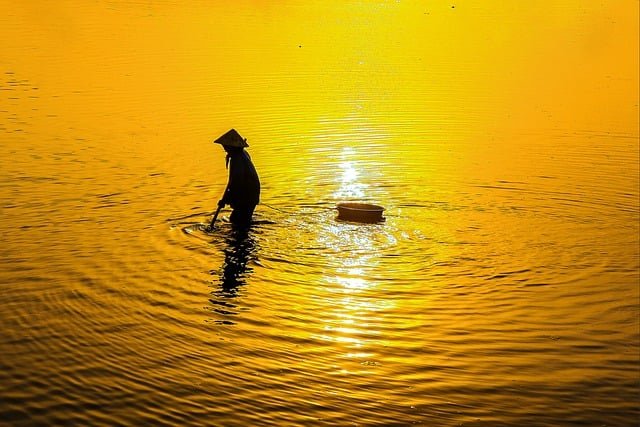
pixel 500 136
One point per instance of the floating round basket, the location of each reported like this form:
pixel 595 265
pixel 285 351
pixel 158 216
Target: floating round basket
pixel 360 212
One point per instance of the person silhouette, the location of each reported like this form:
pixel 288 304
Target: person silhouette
pixel 243 187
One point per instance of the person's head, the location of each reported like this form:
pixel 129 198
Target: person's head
pixel 232 142
pixel 230 149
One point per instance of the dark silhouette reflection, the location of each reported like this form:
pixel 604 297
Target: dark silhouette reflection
pixel 240 249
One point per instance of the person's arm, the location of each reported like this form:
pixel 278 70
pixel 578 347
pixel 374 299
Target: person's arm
pixel 227 196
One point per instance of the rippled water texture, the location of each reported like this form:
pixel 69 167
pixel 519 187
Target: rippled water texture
pixel 501 289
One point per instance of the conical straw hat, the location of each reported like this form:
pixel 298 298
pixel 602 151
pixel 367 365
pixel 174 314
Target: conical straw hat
pixel 232 139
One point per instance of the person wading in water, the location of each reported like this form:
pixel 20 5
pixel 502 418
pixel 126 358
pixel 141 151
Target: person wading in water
pixel 243 189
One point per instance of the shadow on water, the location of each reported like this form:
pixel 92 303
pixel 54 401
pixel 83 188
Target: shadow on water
pixel 240 249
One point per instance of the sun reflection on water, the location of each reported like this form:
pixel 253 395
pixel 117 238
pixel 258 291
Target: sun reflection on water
pixel 354 313
pixel 352 283
pixel 349 185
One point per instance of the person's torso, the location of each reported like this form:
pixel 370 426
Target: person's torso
pixel 244 181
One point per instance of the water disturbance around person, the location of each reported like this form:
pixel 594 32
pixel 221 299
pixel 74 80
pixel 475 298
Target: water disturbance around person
pixel 243 187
